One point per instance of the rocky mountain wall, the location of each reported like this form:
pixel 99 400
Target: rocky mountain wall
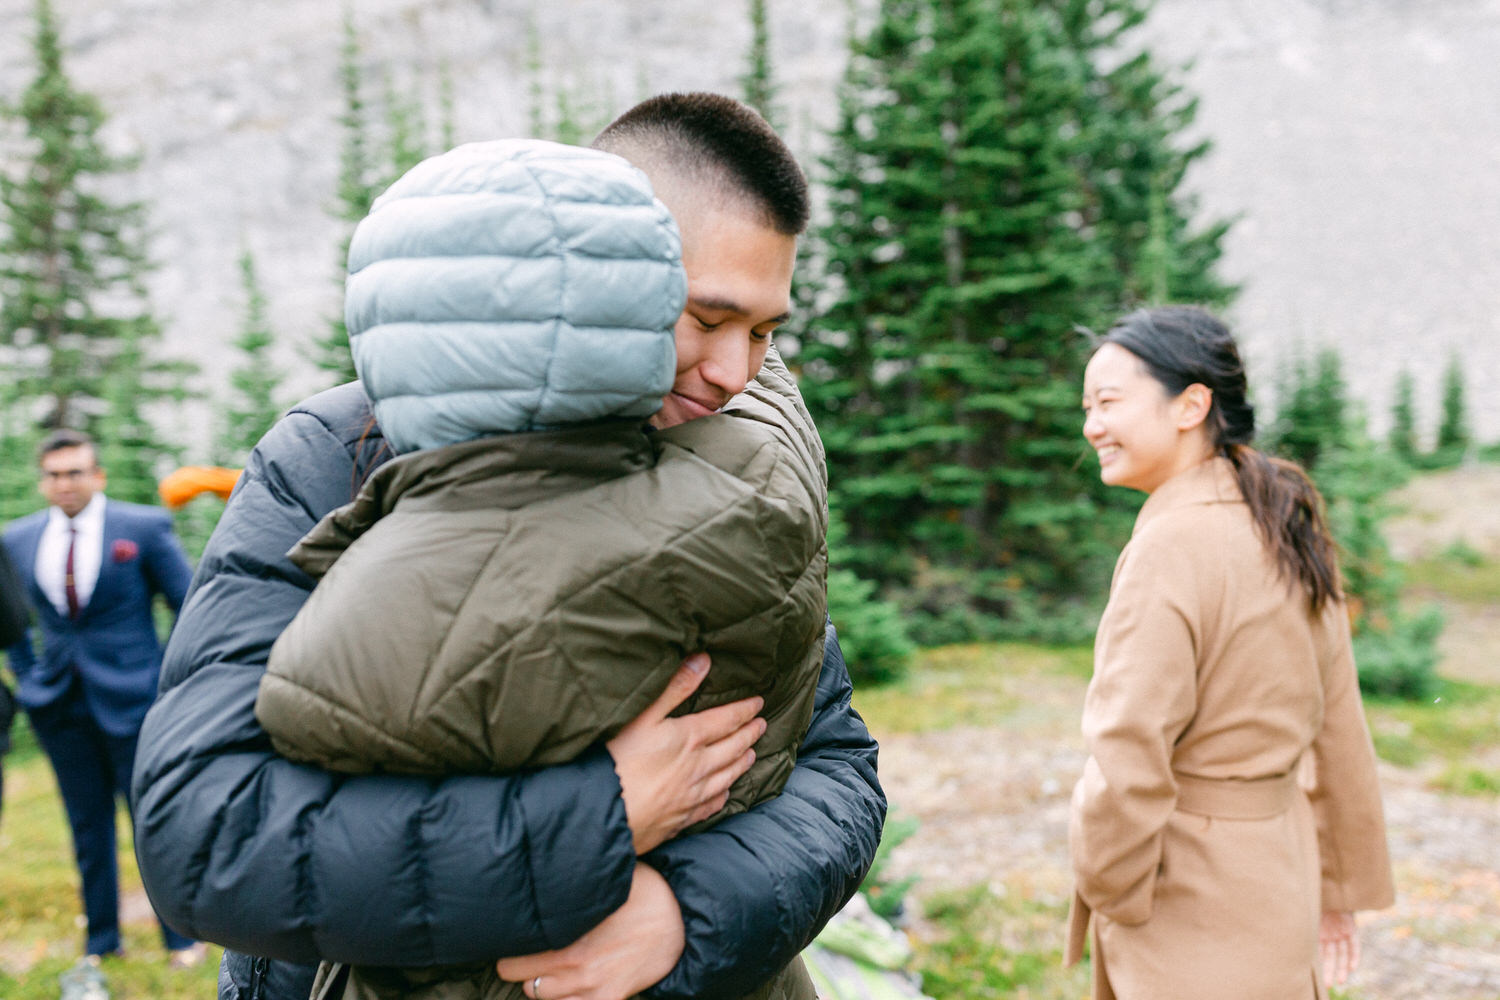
pixel 1358 143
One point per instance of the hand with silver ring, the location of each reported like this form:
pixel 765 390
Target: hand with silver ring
pixel 630 951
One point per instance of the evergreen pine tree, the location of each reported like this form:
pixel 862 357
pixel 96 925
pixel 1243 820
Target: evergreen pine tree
pixel 536 124
pixel 578 118
pixel 1402 439
pixel 872 632
pixel 405 130
pixel 568 126
pixel 447 108
pixel 357 188
pixel 1453 436
pixel 19 436
pixel 1396 650
pixel 1133 159
pixel 1312 417
pixel 130 449
pixel 944 368
pixel 251 408
pixel 74 314
pixel 757 82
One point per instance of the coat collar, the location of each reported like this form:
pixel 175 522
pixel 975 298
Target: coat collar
pixel 505 471
pixel 1213 481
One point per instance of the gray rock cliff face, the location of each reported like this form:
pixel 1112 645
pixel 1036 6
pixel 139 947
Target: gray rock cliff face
pixel 1357 142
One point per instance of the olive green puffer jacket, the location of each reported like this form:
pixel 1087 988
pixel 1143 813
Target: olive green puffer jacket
pixel 508 602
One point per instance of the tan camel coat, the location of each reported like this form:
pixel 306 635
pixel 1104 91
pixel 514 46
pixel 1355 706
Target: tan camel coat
pixel 1230 792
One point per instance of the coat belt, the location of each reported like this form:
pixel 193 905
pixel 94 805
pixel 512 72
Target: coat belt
pixel 1218 798
pixel 1236 798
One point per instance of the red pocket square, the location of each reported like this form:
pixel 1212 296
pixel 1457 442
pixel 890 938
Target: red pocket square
pixel 124 550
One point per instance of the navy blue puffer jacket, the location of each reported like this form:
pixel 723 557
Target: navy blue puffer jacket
pixel 272 858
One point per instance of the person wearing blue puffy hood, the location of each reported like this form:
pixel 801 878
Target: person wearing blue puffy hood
pixel 578 461
pixel 525 579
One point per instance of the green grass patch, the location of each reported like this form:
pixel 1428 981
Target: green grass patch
pixel 979 944
pixel 1456 575
pixel 1465 779
pixel 1445 729
pixel 40 936
pixel 978 685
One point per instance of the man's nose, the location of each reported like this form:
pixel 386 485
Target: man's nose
pixel 727 366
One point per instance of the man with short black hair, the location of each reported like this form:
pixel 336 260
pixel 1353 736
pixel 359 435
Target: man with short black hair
pixel 91 568
pixel 480 866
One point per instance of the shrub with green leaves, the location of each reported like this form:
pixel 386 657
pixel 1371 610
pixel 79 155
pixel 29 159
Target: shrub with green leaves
pixel 1396 651
pixel 887 896
pixel 872 632
pixel 1400 659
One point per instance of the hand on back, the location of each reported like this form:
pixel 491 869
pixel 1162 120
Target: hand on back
pixel 675 772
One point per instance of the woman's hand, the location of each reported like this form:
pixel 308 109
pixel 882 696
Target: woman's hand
pixel 632 949
pixel 675 772
pixel 1338 940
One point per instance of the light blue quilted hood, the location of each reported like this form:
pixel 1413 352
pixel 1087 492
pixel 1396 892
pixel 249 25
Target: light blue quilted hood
pixel 513 285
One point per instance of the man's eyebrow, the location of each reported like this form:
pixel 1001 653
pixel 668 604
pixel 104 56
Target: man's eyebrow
pixel 717 303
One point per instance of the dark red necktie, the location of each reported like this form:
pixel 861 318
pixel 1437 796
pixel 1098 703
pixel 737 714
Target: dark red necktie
pixel 68 588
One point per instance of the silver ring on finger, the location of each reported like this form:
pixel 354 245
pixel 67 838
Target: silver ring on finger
pixel 536 988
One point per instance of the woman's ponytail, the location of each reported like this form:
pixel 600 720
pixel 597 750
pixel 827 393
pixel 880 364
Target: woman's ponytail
pixel 1288 513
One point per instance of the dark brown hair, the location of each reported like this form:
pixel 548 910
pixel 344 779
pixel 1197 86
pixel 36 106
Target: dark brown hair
pixel 369 452
pixel 1184 345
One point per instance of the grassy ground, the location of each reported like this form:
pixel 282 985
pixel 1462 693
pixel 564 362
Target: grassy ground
pixel 40 932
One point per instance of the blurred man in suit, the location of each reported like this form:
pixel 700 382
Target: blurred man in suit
pixel 91 568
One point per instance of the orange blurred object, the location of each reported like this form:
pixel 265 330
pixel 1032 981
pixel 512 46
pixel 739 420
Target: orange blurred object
pixel 187 482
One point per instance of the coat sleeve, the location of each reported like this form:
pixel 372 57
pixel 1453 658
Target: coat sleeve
pixel 15 610
pixel 239 846
pixel 756 888
pixel 1356 865
pixel 19 652
pixel 166 564
pixel 1142 696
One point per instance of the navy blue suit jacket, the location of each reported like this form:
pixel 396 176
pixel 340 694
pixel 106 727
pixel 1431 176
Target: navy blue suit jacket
pixel 112 644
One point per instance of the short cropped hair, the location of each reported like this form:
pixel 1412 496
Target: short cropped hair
pixel 65 437
pixel 718 139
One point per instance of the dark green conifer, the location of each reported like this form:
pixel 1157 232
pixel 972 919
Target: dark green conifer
pixel 251 407
pixel 1402 439
pixel 757 82
pixel 1003 172
pixel 1453 437
pixel 357 188
pixel 1136 124
pixel 74 315
pixel 943 367
pixel 1312 415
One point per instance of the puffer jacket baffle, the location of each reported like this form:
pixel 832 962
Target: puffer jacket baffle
pixel 509 600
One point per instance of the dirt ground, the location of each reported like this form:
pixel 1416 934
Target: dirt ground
pixel 1434 511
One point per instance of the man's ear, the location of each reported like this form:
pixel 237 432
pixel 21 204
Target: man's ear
pixel 1193 404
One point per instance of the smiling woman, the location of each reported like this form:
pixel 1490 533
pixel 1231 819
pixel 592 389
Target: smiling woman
pixel 1142 435
pixel 1230 793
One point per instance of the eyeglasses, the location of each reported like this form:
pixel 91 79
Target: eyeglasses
pixel 68 475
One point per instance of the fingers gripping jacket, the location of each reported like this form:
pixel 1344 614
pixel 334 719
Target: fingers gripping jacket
pixel 513 285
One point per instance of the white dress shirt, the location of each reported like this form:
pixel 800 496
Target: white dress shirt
pixel 88 553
